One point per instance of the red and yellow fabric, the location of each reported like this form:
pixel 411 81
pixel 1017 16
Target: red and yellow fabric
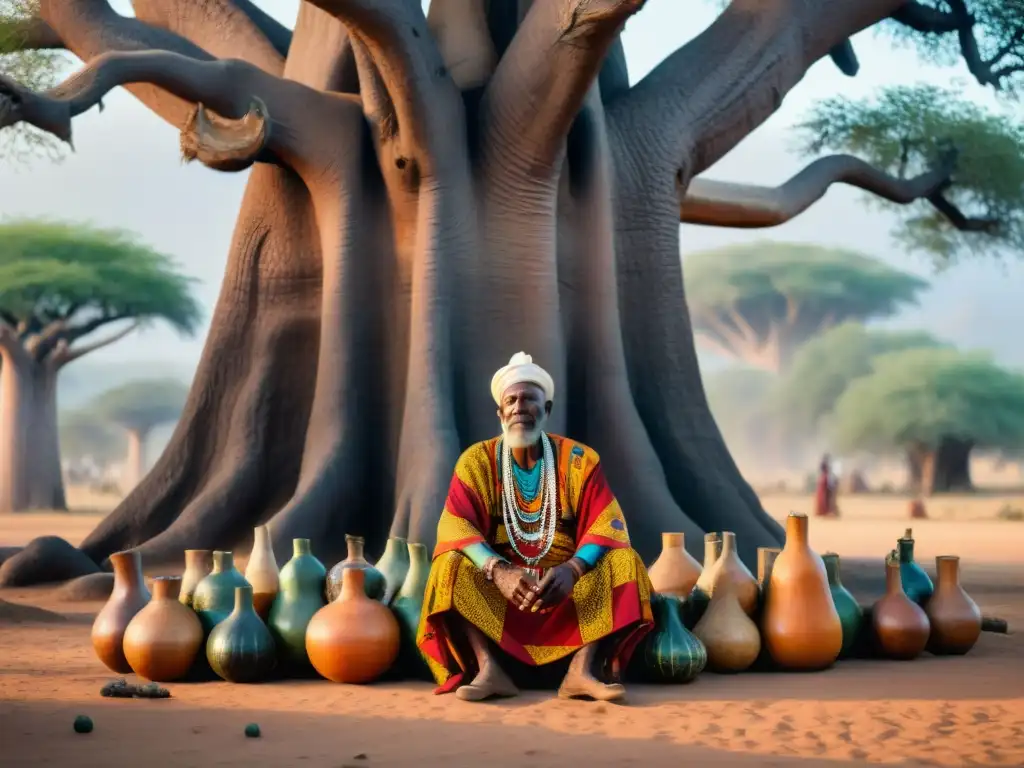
pixel 614 597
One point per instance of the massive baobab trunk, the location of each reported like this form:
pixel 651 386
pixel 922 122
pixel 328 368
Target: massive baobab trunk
pixel 942 469
pixel 412 219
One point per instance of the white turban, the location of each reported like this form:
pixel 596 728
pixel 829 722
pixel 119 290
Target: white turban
pixel 521 370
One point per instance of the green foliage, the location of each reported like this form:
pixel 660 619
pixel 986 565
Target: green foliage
pixel 140 405
pixel 86 277
pixel 85 433
pixel 762 281
pixel 908 130
pixel 827 365
pixel 920 396
pixel 36 69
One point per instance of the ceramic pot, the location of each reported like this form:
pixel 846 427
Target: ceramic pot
pixel 128 597
pixel 240 648
pixel 955 618
pixel 729 635
pixel 729 567
pixel 800 624
pixel 407 607
pixel 198 565
pixel 697 601
pixel 669 654
pixel 354 639
pixel 851 616
pixel 916 583
pixel 300 597
pixel 675 572
pixel 374 581
pixel 261 571
pixel 900 625
pixel 163 639
pixel 765 561
pixel 214 598
pixel 393 566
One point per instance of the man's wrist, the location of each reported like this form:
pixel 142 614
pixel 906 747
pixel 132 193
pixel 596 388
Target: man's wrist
pixel 490 564
pixel 578 567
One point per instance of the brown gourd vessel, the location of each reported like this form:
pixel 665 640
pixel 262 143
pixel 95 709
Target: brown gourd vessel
pixel 901 627
pixel 954 617
pixel 675 572
pixel 353 639
pixel 800 624
pixel 128 597
pixel 729 567
pixel 262 573
pixel 765 561
pixel 730 636
pixel 712 551
pixel 163 639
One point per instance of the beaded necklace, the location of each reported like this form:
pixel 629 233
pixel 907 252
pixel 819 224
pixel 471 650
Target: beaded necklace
pixel 516 518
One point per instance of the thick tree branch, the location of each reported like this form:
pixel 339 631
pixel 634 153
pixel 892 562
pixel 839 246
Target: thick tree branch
pixel 747 206
pixel 321 52
pixel 845 58
pixel 544 76
pixel 64 353
pixel 926 19
pixel 709 95
pixel 228 29
pixel 226 86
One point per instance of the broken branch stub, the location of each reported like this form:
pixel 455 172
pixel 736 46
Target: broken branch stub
pixel 223 144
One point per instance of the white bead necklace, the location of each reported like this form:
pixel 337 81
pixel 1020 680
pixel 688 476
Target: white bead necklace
pixel 513 514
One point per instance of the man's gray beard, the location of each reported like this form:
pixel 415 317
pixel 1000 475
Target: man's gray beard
pixel 524 439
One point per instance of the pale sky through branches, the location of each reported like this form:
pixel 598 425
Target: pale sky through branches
pixel 126 173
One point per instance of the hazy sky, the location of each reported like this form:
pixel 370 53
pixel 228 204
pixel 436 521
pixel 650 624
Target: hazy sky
pixel 126 173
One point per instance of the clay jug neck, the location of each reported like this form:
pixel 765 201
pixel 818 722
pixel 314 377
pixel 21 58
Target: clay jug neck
pixel 947 568
pixel 353 585
pixel 395 549
pixel 712 548
pixel 831 560
pixel 893 582
pixel 127 570
pixel 672 541
pixel 261 537
pixel 243 600
pixel 166 587
pixel 223 561
pixel 728 545
pixel 300 547
pixel 796 530
pixel 765 562
pixel 906 549
pixel 419 566
pixel 199 558
pixel 356 547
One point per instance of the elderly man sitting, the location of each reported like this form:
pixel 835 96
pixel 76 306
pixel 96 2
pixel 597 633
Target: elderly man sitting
pixel 533 555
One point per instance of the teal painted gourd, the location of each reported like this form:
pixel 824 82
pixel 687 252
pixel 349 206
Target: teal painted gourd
pixel 916 583
pixel 374 584
pixel 393 566
pixel 407 607
pixel 300 596
pixel 851 615
pixel 214 598
pixel 240 648
pixel 670 653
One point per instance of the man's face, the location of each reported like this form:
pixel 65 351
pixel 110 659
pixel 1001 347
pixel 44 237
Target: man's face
pixel 523 414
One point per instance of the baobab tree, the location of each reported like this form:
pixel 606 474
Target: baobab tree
pixel 429 194
pixel 61 287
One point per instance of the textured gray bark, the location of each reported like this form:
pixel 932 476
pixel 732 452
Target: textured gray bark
pixel 386 261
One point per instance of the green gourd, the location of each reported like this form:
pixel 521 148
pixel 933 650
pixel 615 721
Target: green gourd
pixel 301 595
pixel 916 582
pixel 241 648
pixel 407 607
pixel 670 653
pixel 851 615
pixel 393 566
pixel 214 598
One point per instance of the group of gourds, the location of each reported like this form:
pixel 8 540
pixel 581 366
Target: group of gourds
pixel 796 615
pixel 350 625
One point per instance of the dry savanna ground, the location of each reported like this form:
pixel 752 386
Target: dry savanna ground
pixel 930 711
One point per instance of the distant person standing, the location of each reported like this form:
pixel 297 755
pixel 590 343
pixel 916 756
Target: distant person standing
pixel 825 491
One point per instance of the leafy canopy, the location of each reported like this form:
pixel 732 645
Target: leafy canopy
pixel 908 130
pixel 52 271
pixel 142 404
pixel 920 396
pixel 762 280
pixel 824 367
pixel 84 433
pixel 37 69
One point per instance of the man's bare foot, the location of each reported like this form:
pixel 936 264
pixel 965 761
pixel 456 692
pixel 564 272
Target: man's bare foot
pixel 491 682
pixel 578 685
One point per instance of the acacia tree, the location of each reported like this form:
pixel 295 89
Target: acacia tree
pixel 758 302
pixel 137 407
pixel 59 285
pixel 83 433
pixel 936 406
pixel 430 194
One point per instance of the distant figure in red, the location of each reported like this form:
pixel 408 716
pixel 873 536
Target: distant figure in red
pixel 825 493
